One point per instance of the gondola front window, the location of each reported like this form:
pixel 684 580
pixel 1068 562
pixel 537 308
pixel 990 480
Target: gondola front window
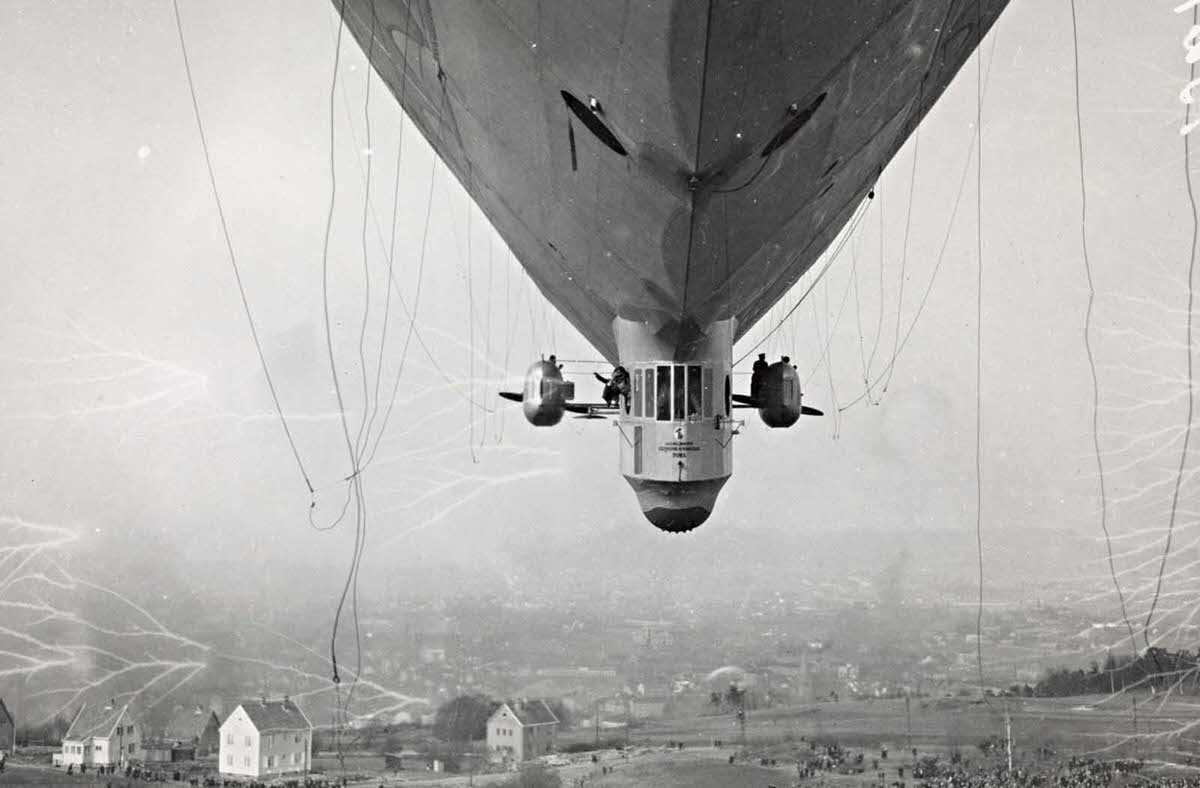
pixel 664 393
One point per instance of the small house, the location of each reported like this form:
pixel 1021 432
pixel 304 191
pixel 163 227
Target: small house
pixel 101 735
pixel 521 730
pixel 195 727
pixel 265 738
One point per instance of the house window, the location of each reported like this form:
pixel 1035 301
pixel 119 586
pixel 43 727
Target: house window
pixel 637 394
pixel 270 761
pixel 245 760
pixel 229 738
pixel 229 760
pixel 247 741
pixel 132 747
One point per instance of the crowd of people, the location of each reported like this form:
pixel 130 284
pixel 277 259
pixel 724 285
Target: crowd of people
pixel 1074 773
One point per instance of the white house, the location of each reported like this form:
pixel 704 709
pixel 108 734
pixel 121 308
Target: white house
pixel 265 738
pixel 101 735
pixel 521 730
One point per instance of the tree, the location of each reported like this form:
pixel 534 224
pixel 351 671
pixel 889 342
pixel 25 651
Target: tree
pixel 464 718
pixel 561 713
pixel 735 696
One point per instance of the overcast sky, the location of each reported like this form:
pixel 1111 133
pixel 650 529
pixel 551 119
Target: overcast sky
pixel 134 413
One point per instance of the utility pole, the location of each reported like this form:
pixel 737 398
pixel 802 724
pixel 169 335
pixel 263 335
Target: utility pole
pixel 1008 735
pixel 1136 747
pixel 598 701
pixel 908 718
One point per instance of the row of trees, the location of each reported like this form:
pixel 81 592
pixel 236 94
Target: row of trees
pixel 1155 668
pixel 49 733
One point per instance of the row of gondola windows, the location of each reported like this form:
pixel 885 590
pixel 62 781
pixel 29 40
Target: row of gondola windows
pixel 673 392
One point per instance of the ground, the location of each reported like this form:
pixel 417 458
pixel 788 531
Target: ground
pixel 1073 726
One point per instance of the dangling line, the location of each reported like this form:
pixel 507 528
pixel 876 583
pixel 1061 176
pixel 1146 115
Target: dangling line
pixel 233 259
pixel 882 260
pixel 387 302
pixel 912 182
pixel 979 334
pixel 362 334
pixel 1087 337
pixel 852 225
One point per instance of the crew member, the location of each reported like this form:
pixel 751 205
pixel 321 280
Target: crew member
pixel 758 378
pixel 614 387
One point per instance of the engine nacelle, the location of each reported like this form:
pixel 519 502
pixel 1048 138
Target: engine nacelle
pixel 546 394
pixel 781 396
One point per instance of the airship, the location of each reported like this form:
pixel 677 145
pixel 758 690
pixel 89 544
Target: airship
pixel 665 171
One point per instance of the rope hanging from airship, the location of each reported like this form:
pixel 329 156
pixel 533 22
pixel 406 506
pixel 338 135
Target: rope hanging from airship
pixel 1087 329
pixel 912 182
pixel 879 192
pixel 945 243
pixel 979 336
pixel 233 257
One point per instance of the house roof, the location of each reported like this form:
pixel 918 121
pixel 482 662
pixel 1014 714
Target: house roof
pixel 5 716
pixel 275 715
pixel 529 712
pixel 187 724
pixel 98 719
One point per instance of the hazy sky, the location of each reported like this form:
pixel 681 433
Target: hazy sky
pixel 134 414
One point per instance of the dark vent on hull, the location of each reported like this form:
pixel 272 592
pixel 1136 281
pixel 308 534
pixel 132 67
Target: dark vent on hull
pixel 833 165
pixel 590 119
pixel 795 122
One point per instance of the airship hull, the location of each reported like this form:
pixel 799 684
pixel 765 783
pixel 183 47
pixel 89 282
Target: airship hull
pixel 681 162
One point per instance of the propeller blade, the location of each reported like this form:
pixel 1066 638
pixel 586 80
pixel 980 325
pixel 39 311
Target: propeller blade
pixel 745 401
pixel 512 395
pixel 807 411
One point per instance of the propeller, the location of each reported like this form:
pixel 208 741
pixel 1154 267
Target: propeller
pixel 512 395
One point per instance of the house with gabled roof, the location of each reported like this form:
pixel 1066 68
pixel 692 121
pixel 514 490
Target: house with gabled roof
pixel 520 730
pixel 8 730
pixel 265 738
pixel 101 735
pixel 195 727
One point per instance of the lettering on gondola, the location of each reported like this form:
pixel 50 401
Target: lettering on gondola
pixel 679 449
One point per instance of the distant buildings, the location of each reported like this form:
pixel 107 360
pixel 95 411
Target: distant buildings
pixel 101 736
pixel 265 738
pixel 8 730
pixel 650 704
pixel 522 730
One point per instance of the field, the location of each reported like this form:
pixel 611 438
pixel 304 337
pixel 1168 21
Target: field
pixel 1072 725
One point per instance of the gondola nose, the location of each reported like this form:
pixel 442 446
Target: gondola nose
pixel 676 507
pixel 677 520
